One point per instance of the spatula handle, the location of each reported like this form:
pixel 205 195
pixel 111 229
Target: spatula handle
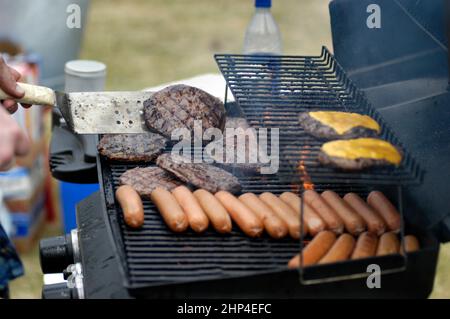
pixel 34 94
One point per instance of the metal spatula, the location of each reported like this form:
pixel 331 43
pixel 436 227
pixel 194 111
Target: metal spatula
pixel 91 112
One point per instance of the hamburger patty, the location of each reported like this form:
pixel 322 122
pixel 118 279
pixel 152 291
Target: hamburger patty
pixel 177 106
pixel 201 175
pixel 350 164
pixel 230 146
pixel 143 147
pixel 322 130
pixel 359 154
pixel 145 179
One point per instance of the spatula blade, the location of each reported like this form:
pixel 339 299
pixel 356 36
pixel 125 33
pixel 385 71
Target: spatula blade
pixel 104 112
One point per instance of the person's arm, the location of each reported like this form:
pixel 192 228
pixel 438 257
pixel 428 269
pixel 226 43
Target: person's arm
pixel 12 140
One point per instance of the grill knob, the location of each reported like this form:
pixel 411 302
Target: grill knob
pixel 58 291
pixel 56 253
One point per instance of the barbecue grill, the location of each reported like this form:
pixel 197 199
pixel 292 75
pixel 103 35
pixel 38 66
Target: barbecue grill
pixel 116 261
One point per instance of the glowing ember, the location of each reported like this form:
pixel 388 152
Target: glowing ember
pixel 304 176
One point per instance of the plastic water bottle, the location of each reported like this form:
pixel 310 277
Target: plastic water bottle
pixel 262 35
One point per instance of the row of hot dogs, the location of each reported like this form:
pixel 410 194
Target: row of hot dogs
pixel 332 222
pixel 325 247
pixel 279 216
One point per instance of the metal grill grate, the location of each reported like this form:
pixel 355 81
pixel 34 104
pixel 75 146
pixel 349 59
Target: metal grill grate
pixel 272 90
pixel 154 255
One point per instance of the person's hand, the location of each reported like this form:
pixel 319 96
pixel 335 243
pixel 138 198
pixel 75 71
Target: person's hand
pixel 8 83
pixel 13 141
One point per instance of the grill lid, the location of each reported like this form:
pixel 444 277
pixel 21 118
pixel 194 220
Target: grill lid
pixel 406 79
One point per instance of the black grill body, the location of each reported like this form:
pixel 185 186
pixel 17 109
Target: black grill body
pixel 158 263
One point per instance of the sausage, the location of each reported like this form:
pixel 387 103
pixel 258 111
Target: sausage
pixel 375 224
pixel 196 216
pixel 169 209
pixel 341 249
pixel 330 217
pixel 314 222
pixel 247 221
pixel 131 204
pixel 354 224
pixel 411 243
pixel 366 246
pixel 273 224
pixel 388 244
pixel 315 250
pixel 285 212
pixel 386 210
pixel 216 213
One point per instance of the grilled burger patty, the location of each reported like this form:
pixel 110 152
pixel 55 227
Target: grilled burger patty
pixel 177 106
pixel 202 175
pixel 145 179
pixel 230 146
pixel 143 147
pixel 359 153
pixel 338 125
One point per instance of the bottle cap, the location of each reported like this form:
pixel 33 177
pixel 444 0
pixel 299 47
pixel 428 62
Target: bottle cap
pixel 263 3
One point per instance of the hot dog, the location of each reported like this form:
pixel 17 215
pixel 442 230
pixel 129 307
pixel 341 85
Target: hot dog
pixel 354 224
pixel 285 212
pixel 329 216
pixel 216 213
pixel 375 224
pixel 386 210
pixel 131 204
pixel 341 249
pixel 196 216
pixel 273 224
pixel 247 221
pixel 169 209
pixel 388 244
pixel 366 246
pixel 411 243
pixel 315 250
pixel 314 222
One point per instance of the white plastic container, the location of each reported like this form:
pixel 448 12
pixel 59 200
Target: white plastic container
pixel 84 76
pixel 262 35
